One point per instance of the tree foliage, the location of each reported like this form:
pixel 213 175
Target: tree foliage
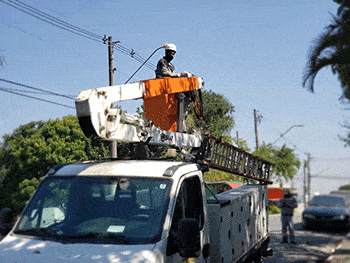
pixel 345 187
pixel 242 144
pixel 32 149
pixel 217 116
pixel 345 139
pixel 214 175
pixel 286 162
pixel 332 48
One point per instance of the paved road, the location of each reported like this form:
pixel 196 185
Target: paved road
pixel 313 246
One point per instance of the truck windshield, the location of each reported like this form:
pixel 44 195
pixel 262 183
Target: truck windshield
pixel 128 210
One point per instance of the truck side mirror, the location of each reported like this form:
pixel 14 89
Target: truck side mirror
pixel 189 238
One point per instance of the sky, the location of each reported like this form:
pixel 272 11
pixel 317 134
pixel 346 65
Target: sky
pixel 252 52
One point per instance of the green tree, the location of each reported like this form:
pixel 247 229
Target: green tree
pixel 242 144
pixel 25 190
pixel 332 48
pixel 217 116
pixel 345 187
pixel 32 149
pixel 286 162
pixel 214 175
pixel 217 119
pixel 345 139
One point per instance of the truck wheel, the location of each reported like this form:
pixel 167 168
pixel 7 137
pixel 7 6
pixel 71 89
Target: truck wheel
pixel 258 258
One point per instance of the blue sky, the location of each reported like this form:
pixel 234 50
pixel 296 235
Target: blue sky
pixel 253 52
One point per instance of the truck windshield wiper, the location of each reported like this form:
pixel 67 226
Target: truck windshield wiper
pixel 42 232
pixel 96 235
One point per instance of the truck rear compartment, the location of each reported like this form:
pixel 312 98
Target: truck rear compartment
pixel 238 223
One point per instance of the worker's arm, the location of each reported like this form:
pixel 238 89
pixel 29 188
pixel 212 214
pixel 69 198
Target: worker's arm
pixel 165 71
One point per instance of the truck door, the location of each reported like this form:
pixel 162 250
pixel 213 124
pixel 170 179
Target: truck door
pixel 189 204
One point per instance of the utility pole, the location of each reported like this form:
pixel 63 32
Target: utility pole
pixel 256 130
pixel 113 145
pixel 305 180
pixel 308 194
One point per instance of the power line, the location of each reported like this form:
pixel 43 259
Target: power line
pixel 53 21
pixel 331 177
pixel 73 29
pixel 27 91
pixel 330 159
pixel 33 88
pixel 48 101
pixel 134 55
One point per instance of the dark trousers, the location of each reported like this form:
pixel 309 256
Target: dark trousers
pixel 287 224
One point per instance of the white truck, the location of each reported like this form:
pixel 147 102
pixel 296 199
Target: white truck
pixel 127 210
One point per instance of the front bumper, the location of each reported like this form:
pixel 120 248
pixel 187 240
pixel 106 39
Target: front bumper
pixel 326 221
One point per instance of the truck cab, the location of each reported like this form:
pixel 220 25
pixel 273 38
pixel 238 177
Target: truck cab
pixel 106 211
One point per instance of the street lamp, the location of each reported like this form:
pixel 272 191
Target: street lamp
pixel 297 125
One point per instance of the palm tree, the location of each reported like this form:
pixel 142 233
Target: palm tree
pixel 2 61
pixel 332 48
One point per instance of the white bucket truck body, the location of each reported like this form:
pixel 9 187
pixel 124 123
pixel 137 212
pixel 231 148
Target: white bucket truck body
pixel 137 211
pixel 149 211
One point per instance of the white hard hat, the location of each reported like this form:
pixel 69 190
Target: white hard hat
pixel 170 46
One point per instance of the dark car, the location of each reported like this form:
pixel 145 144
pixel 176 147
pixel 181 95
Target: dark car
pixel 326 211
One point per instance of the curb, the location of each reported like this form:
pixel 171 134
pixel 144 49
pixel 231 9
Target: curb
pixel 341 252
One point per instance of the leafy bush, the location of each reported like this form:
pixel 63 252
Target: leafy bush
pixel 273 209
pixel 32 149
pixel 345 187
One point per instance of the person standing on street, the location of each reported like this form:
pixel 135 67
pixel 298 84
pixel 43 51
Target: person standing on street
pixel 287 204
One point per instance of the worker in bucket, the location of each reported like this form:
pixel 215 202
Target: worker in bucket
pixel 287 205
pixel 164 67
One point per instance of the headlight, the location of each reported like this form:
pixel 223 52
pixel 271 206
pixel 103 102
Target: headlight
pixel 341 217
pixel 309 216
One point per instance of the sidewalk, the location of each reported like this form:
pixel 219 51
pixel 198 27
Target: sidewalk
pixel 341 253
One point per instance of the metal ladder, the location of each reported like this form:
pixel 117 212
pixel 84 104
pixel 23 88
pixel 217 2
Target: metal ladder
pixel 225 157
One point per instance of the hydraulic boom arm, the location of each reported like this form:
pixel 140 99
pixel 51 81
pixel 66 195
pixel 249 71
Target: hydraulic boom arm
pixel 98 116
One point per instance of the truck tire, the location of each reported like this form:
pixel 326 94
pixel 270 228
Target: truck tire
pixel 258 257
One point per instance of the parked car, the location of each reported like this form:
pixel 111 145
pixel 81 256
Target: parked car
pixel 327 211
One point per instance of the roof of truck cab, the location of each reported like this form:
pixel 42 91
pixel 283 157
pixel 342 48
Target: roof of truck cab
pixel 147 168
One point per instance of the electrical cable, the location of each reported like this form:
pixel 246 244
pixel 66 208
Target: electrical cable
pixel 29 87
pixel 27 91
pixel 134 55
pixel 330 177
pixel 74 29
pixel 27 96
pixel 145 62
pixel 52 23
pixel 56 20
pixel 330 159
